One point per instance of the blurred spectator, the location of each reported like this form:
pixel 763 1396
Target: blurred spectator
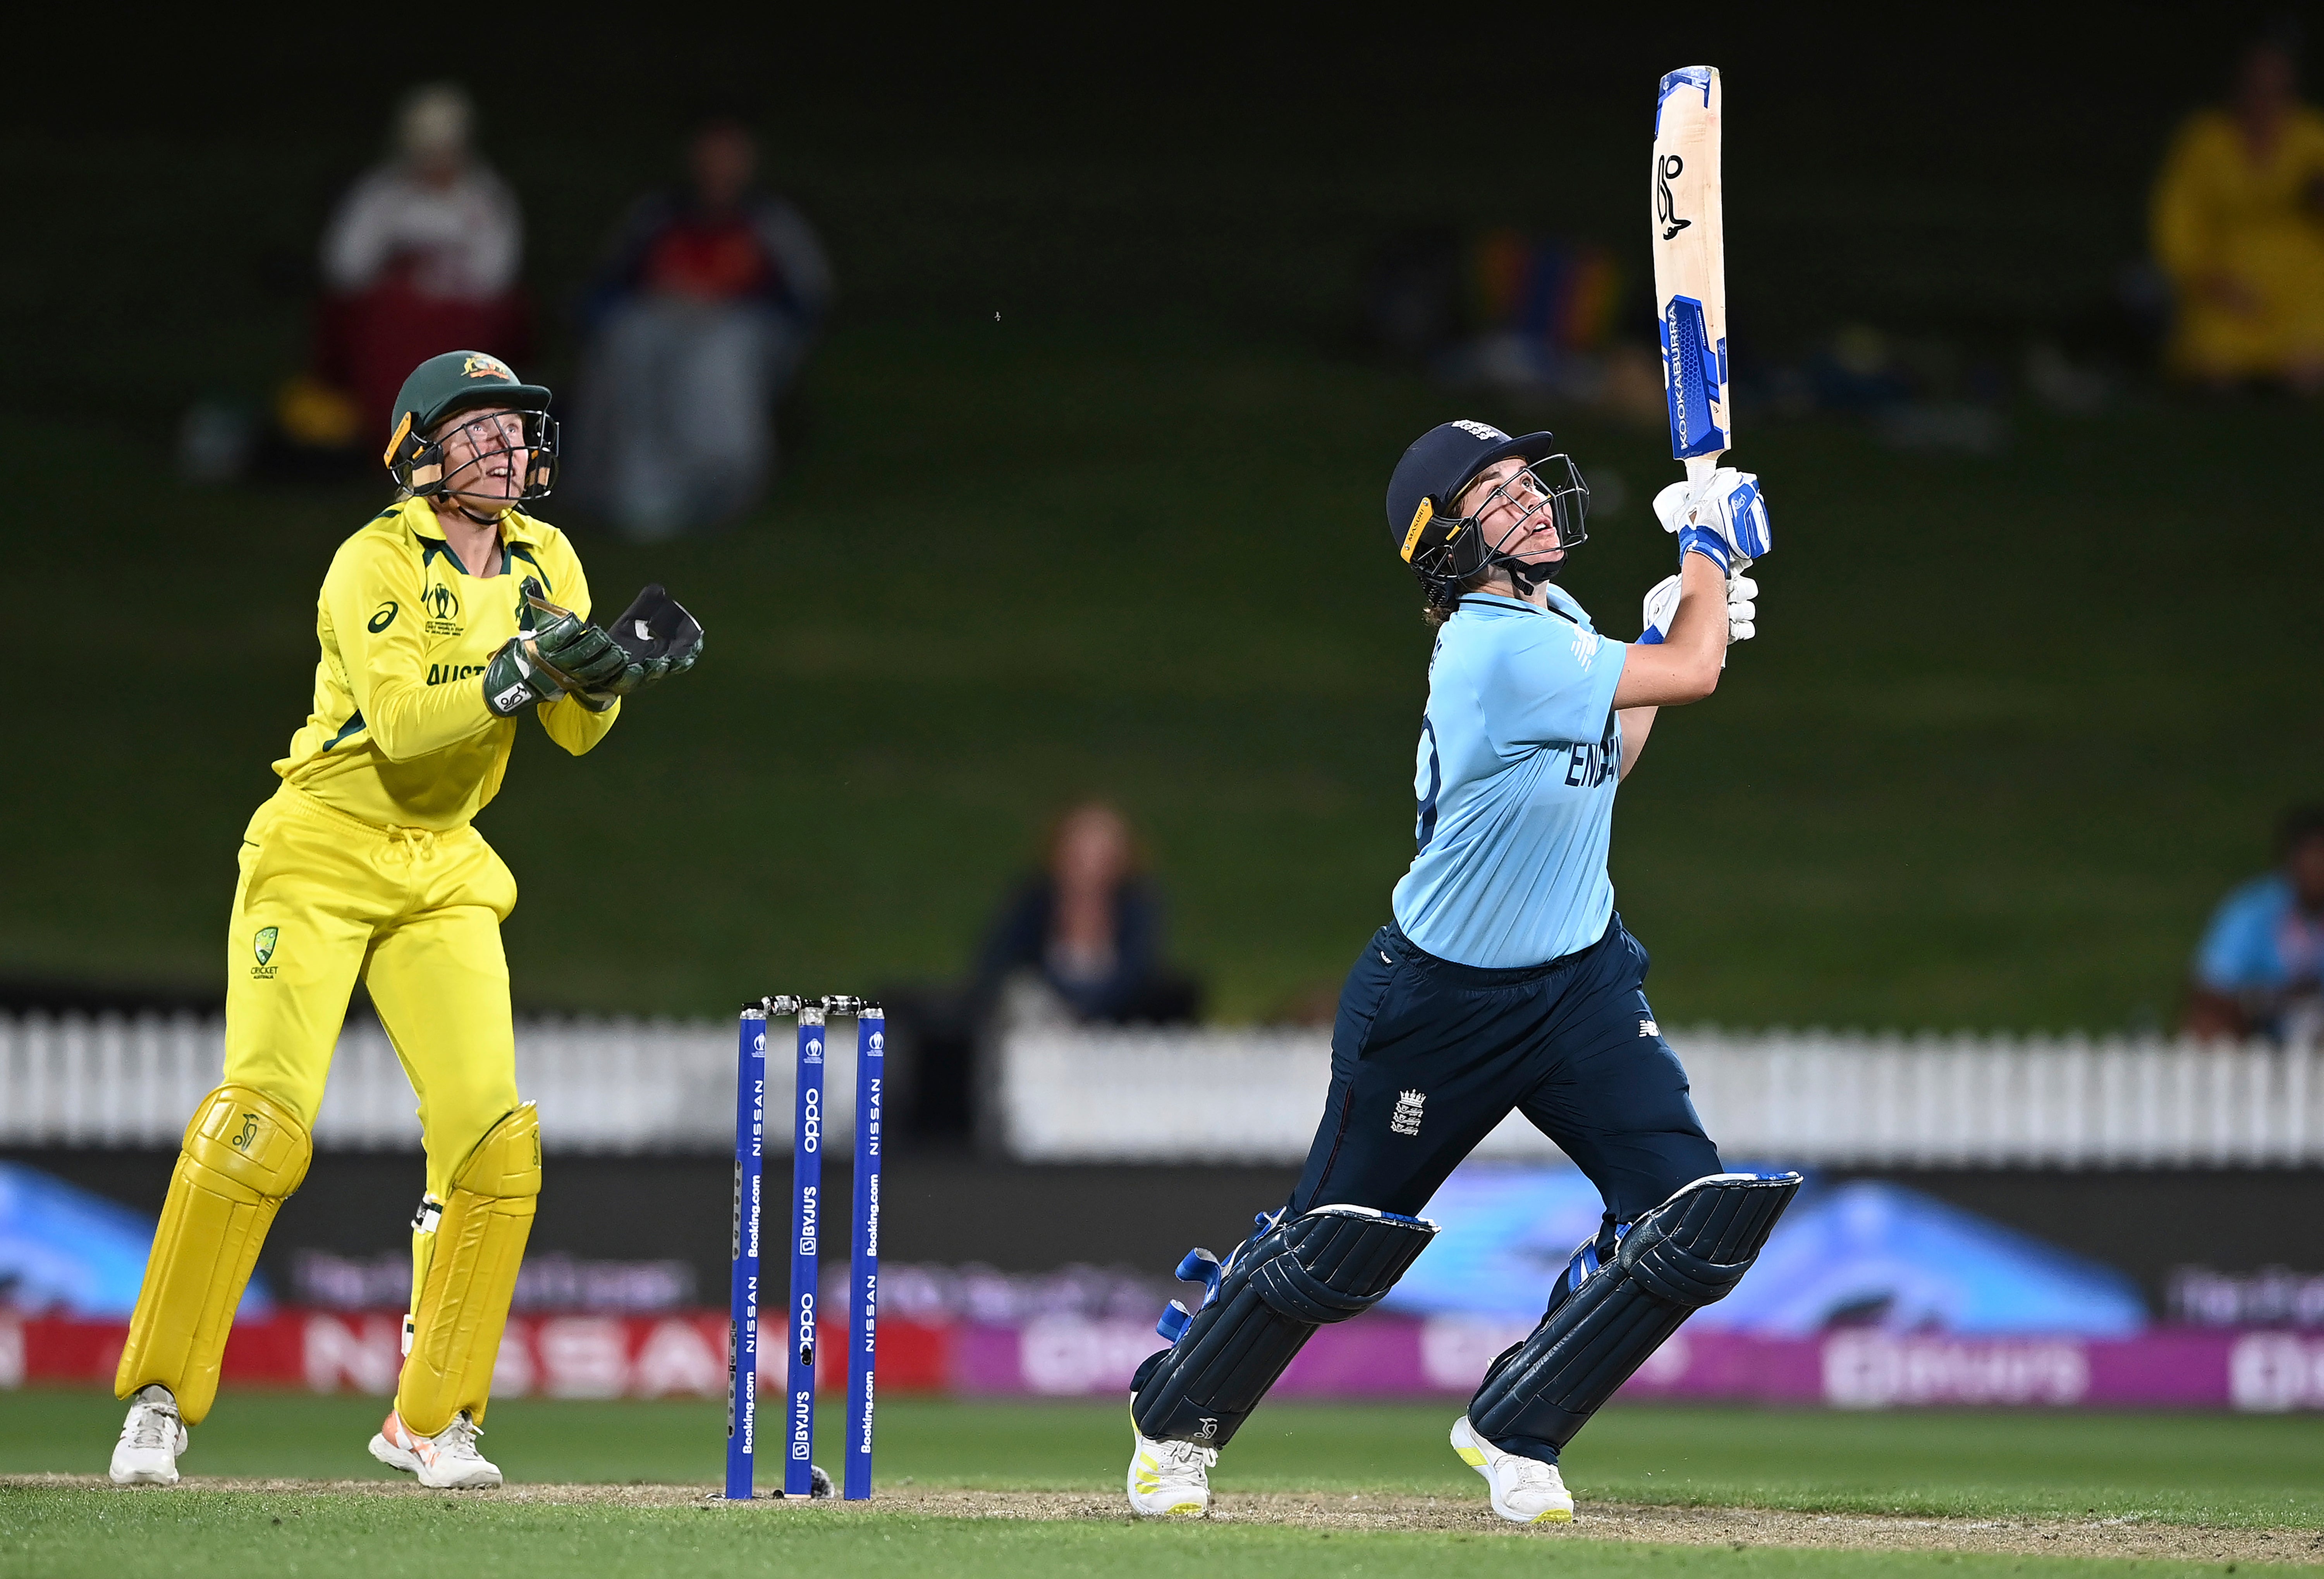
pixel 1088 929
pixel 1080 941
pixel 419 257
pixel 2238 226
pixel 2260 970
pixel 695 328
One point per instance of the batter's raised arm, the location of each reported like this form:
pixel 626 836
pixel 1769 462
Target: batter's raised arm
pixel 1722 526
pixel 1683 667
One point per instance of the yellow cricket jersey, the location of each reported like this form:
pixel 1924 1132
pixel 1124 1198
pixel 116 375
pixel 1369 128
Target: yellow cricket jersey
pixel 399 735
pixel 2219 210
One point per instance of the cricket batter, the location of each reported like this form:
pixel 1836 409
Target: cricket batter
pixel 1504 982
pixel 438 632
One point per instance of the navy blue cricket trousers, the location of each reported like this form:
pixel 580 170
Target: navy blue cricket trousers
pixel 1429 1057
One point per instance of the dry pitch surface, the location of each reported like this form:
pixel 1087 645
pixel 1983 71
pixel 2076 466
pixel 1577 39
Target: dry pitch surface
pixel 1734 1528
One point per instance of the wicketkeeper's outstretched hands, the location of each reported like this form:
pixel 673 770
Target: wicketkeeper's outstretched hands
pixel 560 653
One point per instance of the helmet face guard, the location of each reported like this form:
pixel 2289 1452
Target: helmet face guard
pixel 416 461
pixel 1446 550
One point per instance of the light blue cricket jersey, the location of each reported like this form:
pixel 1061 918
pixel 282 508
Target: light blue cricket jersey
pixel 1519 759
pixel 2259 939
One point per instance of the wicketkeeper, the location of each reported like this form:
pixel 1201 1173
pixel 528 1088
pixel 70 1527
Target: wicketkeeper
pixel 444 619
pixel 1505 982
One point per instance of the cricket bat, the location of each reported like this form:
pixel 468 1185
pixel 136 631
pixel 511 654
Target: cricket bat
pixel 1690 267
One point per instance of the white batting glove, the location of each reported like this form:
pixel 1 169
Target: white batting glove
pixel 1724 519
pixel 1661 607
pixel 1742 608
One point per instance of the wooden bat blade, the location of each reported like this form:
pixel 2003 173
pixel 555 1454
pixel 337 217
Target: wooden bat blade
pixel 1690 252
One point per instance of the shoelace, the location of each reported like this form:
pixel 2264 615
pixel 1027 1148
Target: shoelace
pixel 1532 1472
pixel 1186 1455
pixel 460 1437
pixel 152 1427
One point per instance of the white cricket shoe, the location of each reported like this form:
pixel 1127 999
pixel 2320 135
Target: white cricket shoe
pixel 1526 1491
pixel 447 1462
pixel 151 1440
pixel 1169 1479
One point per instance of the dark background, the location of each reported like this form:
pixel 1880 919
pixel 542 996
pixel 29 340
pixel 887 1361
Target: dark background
pixel 1082 497
pixel 2015 721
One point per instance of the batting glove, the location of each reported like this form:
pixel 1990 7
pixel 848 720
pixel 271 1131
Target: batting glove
pixel 1661 607
pixel 1725 518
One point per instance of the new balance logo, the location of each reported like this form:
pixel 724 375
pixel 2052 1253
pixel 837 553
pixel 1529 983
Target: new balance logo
pixel 1405 1120
pixel 1649 1028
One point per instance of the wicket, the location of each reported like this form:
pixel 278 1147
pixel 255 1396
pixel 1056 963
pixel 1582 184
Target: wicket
pixel 861 1332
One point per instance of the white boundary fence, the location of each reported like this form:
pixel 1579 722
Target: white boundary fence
pixel 604 1085
pixel 1782 1096
pixel 1225 1095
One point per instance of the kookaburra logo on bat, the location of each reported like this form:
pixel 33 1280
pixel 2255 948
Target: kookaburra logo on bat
pixel 1664 173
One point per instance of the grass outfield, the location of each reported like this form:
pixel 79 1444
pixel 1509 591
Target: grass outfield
pixel 2205 1469
pixel 2255 1487
pixel 2013 723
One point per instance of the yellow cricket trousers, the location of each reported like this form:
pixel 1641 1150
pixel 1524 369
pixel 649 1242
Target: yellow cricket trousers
pixel 324 899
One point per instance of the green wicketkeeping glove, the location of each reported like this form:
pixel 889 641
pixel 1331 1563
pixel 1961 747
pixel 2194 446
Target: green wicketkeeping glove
pixel 659 638
pixel 513 681
pixel 566 654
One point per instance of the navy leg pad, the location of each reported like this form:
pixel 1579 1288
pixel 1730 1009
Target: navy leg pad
pixel 1686 1254
pixel 1276 1288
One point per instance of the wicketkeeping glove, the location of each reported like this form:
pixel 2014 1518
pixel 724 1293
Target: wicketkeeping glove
pixel 1725 518
pixel 1742 611
pixel 513 681
pixel 555 651
pixel 658 638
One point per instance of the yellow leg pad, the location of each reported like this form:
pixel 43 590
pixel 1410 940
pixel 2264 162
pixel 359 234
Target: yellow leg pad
pixel 243 1153
pixel 471 1277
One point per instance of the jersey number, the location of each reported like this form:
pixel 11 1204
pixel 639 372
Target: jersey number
pixel 1427 783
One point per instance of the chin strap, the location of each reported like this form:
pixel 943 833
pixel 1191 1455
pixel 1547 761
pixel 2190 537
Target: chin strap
pixel 1525 575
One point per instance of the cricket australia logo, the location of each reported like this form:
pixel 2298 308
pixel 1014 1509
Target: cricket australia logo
pixel 1666 169
pixel 263 945
pixel 1405 1120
